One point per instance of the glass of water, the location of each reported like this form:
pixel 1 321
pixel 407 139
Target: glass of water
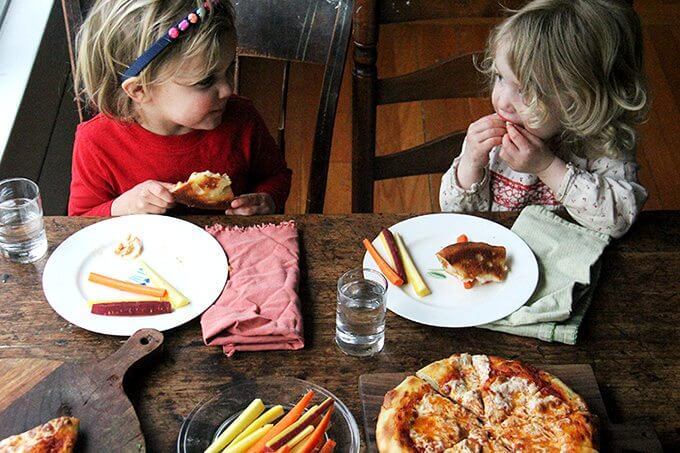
pixel 360 315
pixel 22 233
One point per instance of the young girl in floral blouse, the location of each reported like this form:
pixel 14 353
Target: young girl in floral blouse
pixel 568 87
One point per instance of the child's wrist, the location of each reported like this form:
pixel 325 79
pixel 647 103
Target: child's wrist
pixel 469 173
pixel 552 175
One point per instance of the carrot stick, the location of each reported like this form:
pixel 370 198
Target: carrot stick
pixel 317 435
pixel 284 449
pixel 126 286
pixel 290 418
pixel 382 264
pixel 328 446
pixel 393 252
pixel 462 238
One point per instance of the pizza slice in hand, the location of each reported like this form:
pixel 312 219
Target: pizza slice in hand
pixel 56 436
pixel 204 190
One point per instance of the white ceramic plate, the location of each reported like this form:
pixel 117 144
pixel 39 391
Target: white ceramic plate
pixel 188 257
pixel 451 305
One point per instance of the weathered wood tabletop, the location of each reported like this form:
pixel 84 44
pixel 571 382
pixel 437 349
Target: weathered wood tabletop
pixel 630 336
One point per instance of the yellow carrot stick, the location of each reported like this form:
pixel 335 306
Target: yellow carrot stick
pixel 269 416
pixel 254 409
pixel 245 443
pixel 290 418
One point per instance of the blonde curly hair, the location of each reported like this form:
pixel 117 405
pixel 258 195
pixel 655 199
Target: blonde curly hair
pixel 116 32
pixel 581 60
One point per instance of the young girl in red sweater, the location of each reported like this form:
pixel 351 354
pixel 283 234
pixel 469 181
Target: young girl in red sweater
pixel 158 73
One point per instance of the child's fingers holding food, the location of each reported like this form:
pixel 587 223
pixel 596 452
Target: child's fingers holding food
pixel 518 138
pixel 486 122
pixel 509 151
pixel 158 194
pixel 250 204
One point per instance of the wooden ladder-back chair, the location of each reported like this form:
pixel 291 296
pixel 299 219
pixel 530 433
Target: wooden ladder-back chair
pixel 454 78
pixel 303 31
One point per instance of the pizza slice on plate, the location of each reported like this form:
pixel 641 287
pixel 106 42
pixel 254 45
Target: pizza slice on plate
pixel 56 436
pixel 474 261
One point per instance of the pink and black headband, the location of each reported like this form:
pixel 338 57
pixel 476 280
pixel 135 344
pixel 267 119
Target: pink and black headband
pixel 192 19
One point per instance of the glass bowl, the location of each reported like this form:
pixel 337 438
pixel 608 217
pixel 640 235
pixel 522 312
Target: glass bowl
pixel 212 416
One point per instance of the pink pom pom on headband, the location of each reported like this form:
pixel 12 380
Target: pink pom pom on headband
pixel 194 18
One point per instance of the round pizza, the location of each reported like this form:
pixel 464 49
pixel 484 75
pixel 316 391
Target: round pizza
pixel 479 403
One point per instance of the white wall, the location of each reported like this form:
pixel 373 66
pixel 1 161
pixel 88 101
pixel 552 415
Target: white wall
pixel 20 36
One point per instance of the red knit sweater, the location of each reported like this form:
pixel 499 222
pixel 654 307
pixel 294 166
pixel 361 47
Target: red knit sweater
pixel 111 157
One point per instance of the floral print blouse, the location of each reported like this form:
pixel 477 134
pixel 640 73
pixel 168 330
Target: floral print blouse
pixel 602 194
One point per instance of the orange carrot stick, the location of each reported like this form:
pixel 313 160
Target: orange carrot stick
pixel 126 286
pixel 382 264
pixel 328 446
pixel 284 449
pixel 462 238
pixel 290 418
pixel 316 437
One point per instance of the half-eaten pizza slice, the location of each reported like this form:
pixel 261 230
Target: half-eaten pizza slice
pixel 205 190
pixel 474 262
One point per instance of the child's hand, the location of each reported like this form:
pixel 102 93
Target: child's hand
pixel 149 197
pixel 525 152
pixel 252 203
pixel 482 136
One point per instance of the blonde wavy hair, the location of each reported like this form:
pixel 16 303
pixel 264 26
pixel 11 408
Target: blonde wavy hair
pixel 583 61
pixel 116 32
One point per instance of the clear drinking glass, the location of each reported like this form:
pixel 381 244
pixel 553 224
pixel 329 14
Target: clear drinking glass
pixel 22 233
pixel 360 315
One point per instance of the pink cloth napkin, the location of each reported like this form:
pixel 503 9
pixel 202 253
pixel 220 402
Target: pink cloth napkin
pixel 259 308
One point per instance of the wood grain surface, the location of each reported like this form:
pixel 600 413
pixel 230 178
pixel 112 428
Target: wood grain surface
pixel 579 377
pixel 630 335
pixel 35 390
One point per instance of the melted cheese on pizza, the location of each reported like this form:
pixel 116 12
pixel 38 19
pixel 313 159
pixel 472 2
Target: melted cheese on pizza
pixel 507 395
pixel 440 424
pixel 484 404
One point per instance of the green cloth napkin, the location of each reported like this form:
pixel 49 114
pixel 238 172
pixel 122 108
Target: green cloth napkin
pixel 568 266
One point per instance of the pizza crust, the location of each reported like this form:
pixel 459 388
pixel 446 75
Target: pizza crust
pixel 56 436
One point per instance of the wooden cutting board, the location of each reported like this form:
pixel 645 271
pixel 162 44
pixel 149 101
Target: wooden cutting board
pixel 33 391
pixel 614 437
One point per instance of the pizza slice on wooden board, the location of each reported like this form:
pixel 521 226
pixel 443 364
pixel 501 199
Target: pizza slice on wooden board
pixel 56 436
pixel 416 418
pixel 459 377
pixel 573 433
pixel 517 389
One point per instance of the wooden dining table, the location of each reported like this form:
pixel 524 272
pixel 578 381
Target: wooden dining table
pixel 630 335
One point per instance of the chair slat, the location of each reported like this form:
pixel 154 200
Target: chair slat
pixel 448 79
pixel 435 156
pixel 294 30
pixel 398 11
